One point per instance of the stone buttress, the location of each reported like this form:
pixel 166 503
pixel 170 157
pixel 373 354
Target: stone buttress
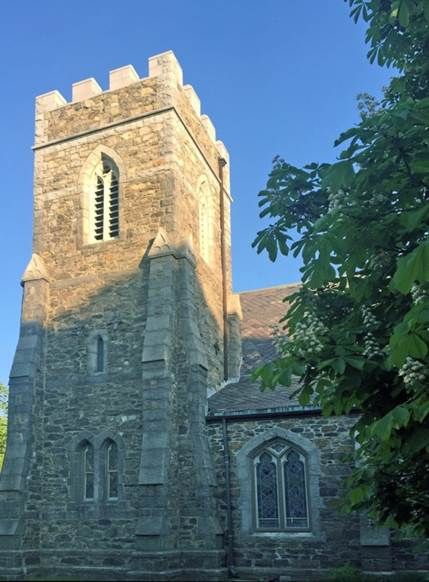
pixel 107 472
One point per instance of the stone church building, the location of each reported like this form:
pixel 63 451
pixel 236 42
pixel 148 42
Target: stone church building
pixel 138 446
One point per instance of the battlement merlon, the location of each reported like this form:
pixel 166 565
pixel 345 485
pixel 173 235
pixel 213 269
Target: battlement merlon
pixel 92 109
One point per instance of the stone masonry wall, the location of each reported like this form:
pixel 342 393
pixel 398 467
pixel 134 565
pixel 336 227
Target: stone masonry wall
pixel 113 288
pixel 301 555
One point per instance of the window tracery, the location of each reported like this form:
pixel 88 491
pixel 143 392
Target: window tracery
pixel 280 486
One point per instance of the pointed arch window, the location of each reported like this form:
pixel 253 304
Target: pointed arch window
pixel 280 488
pixel 100 354
pixel 112 471
pixel 97 346
pixel 88 471
pixel 104 208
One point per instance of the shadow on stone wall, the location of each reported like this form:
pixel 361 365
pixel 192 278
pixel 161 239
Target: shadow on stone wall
pixel 161 354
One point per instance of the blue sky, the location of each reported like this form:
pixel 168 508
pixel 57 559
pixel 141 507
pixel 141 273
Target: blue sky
pixel 275 76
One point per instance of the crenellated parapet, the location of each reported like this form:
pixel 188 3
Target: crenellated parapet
pixel 96 108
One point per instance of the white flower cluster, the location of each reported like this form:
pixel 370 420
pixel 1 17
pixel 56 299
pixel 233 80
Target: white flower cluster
pixel 419 293
pixel 376 199
pixel 413 372
pixel 336 200
pixel 379 261
pixel 370 322
pixel 307 335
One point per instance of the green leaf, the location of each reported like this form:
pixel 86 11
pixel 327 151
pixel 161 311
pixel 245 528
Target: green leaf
pixel 358 494
pixel 421 410
pixel 339 365
pixel 416 347
pixel 383 427
pixel 401 416
pixel 339 175
pixel 411 268
pixel 406 345
pixel 426 9
pixel 357 363
pixel 404 14
pixel 417 441
pixel 413 218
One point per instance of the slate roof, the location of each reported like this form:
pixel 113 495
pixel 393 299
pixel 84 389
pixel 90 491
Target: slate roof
pixel 262 311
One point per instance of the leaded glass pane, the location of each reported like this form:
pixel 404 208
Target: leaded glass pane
pixel 267 497
pixel 113 485
pixel 112 475
pixel 88 461
pixel 295 492
pixel 113 457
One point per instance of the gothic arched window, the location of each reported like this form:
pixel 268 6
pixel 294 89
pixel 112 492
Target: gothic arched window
pixel 110 466
pixel 87 464
pixel 100 354
pixel 205 222
pixel 280 488
pixel 97 345
pixel 104 207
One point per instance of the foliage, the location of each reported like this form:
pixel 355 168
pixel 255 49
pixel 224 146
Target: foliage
pixel 358 327
pixel 3 421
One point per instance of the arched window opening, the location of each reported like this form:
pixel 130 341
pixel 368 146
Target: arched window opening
pixel 100 355
pixel 104 216
pixel 112 471
pixel 88 471
pixel 97 349
pixel 205 222
pixel 280 485
pixel 267 498
pixel 295 491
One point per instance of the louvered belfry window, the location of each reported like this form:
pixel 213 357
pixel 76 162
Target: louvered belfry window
pixel 105 206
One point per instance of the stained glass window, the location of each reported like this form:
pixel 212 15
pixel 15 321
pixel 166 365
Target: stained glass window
pixel 295 491
pixel 266 483
pixel 280 488
pixel 88 471
pixel 112 473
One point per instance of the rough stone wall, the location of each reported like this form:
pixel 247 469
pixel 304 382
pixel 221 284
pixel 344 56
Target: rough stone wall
pixel 153 405
pixel 302 555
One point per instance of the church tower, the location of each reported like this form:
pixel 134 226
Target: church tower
pixel 126 320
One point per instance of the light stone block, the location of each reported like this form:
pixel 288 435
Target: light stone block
pixel 85 89
pixel 122 77
pixel 166 65
pixel 194 100
pixel 49 101
pixel 209 127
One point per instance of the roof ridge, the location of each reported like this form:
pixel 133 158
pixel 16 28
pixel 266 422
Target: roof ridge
pixel 284 286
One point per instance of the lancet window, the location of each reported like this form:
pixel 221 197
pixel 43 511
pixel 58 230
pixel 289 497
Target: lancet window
pixel 100 355
pixel 88 471
pixel 112 472
pixel 280 488
pixel 104 215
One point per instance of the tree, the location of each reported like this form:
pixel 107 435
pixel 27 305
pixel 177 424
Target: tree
pixel 358 335
pixel 3 421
